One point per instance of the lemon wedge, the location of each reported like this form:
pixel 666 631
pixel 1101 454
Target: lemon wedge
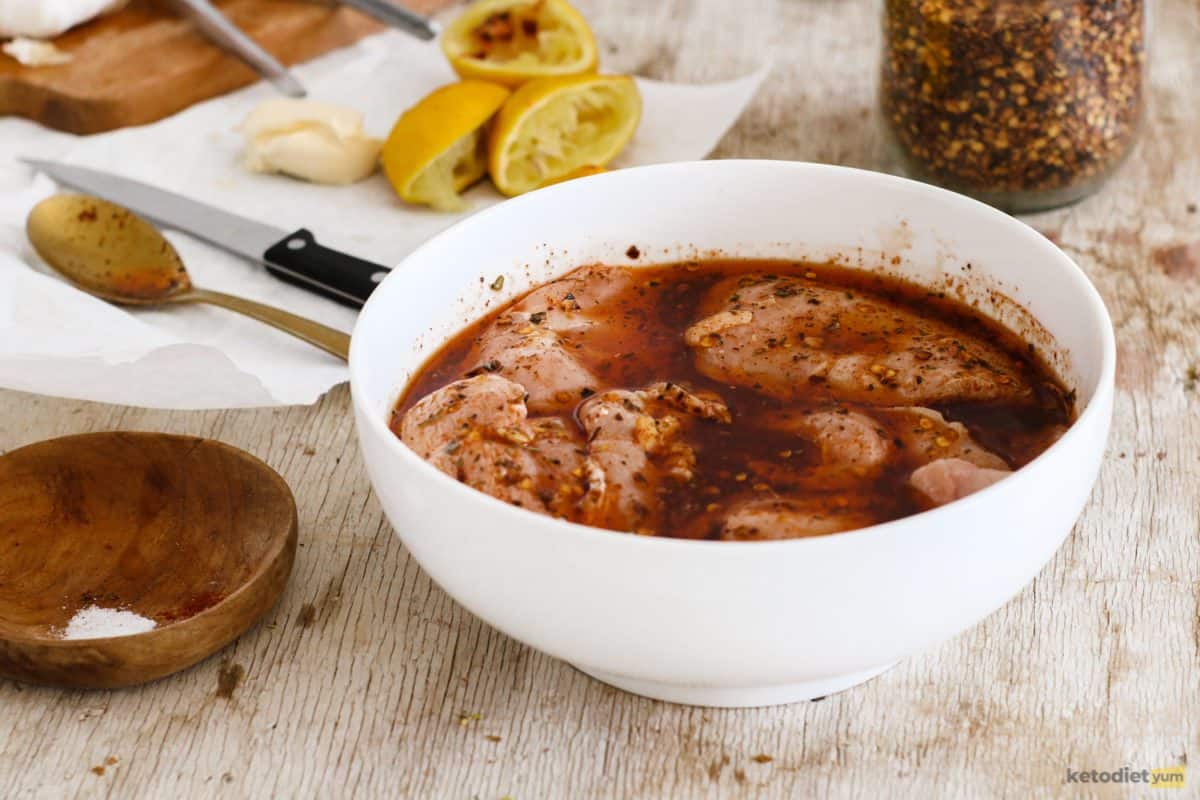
pixel 513 41
pixel 439 146
pixel 553 127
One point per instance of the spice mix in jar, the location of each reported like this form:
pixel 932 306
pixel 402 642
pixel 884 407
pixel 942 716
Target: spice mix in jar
pixel 1025 104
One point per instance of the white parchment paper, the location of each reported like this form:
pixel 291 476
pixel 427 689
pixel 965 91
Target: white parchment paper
pixel 55 340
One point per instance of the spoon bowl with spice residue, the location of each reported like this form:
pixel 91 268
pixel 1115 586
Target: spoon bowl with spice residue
pixel 127 557
pixel 111 253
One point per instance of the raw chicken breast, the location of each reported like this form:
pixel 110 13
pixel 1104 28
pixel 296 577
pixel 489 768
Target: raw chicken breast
pixel 789 337
pixel 482 403
pixel 475 430
pixel 545 341
pixel 763 519
pixel 856 446
pixel 950 479
pixel 925 435
pixel 848 442
pixel 537 359
pixel 635 444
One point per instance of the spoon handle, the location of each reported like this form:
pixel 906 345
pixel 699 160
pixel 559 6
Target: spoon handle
pixel 328 339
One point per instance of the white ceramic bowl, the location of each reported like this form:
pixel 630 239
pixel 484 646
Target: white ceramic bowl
pixel 724 623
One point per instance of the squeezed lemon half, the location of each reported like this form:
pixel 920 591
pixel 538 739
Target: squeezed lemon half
pixel 551 128
pixel 439 146
pixel 514 41
pixel 582 172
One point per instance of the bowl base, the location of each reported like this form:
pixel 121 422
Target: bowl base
pixel 738 696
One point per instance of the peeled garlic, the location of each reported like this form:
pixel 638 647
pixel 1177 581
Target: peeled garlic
pixel 42 19
pixel 313 141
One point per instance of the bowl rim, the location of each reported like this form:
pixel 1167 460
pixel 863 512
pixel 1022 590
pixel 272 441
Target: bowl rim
pixel 1087 295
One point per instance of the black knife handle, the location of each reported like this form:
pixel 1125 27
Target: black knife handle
pixel 299 260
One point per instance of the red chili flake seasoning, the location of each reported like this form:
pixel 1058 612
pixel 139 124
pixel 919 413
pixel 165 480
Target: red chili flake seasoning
pixel 199 603
pixel 1024 103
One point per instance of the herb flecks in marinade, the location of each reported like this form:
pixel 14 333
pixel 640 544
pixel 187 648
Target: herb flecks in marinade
pixel 731 399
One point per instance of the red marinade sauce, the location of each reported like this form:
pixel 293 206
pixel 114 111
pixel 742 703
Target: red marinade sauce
pixel 746 459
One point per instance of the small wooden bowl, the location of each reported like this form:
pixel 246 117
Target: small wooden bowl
pixel 192 533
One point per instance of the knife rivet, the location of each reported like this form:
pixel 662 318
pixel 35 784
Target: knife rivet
pixel 376 277
pixel 296 244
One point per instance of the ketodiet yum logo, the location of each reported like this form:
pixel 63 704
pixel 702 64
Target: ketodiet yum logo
pixel 1161 778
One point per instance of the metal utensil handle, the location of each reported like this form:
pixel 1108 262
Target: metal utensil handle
pixel 229 37
pixel 330 340
pixel 396 17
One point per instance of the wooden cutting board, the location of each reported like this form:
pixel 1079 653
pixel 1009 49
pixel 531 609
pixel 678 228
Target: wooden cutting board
pixel 145 63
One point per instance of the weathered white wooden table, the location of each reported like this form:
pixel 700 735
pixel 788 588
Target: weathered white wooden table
pixel 368 681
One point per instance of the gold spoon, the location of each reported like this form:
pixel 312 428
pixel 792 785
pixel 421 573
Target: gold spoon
pixel 111 253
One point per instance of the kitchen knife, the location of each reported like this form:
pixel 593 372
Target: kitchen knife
pixel 293 257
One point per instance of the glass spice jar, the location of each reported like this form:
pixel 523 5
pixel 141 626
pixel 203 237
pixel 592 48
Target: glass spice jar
pixel 1024 104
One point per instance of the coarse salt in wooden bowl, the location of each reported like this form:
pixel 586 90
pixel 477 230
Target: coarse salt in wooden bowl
pixel 126 557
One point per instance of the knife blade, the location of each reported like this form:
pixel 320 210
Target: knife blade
pixel 292 257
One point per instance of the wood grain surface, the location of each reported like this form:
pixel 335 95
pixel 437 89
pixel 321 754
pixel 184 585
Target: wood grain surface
pixel 191 533
pixel 146 62
pixel 367 681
